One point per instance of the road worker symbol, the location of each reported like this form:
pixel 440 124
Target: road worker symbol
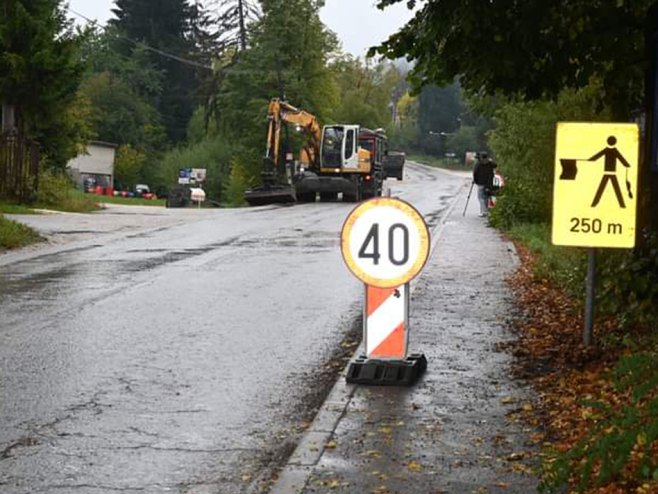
pixel 385 242
pixel 590 207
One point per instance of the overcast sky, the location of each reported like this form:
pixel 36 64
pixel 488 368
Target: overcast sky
pixel 358 23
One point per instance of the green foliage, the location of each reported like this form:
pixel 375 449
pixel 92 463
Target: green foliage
pixel 56 191
pixel 628 283
pixel 241 178
pixel 199 127
pixel 621 444
pixel 54 188
pixel 288 55
pixel 564 266
pixel 179 29
pixel 439 115
pixel 137 70
pixel 463 140
pixel 535 47
pixel 128 164
pixel 523 144
pixel 119 115
pixel 405 135
pixel 213 154
pixel 365 92
pixel 13 234
pixel 40 70
pixel 11 208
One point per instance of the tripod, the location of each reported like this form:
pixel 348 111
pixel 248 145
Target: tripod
pixel 468 198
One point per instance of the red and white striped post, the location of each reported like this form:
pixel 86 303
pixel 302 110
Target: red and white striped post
pixel 386 316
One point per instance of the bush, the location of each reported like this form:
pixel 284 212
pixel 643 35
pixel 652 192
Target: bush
pixel 524 146
pixel 628 283
pixel 56 191
pixel 54 188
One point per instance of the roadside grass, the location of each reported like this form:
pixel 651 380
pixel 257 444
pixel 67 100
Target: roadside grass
pixel 13 234
pixel 71 201
pixel 447 163
pixel 10 208
pixel 565 266
pixel 130 201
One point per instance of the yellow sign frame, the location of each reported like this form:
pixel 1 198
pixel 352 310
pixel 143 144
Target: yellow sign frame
pixel 595 184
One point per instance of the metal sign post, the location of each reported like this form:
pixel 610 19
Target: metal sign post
pixel 595 193
pixel 385 243
pixel 589 298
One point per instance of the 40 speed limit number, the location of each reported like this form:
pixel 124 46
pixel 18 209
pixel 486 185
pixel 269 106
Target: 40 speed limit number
pixel 385 242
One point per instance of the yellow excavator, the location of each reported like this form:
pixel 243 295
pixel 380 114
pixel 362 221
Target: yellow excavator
pixel 278 174
pixel 334 159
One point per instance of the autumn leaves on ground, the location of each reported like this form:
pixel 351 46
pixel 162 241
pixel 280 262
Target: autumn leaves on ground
pixel 586 439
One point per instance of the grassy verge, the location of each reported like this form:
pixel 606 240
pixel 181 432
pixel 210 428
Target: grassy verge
pixel 564 266
pixel 9 208
pixel 72 201
pixel 130 201
pixel 13 235
pixel 447 163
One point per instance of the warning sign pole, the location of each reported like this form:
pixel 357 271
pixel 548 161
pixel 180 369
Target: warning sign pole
pixel 589 297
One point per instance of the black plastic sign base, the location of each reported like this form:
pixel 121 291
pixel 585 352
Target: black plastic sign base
pixel 387 372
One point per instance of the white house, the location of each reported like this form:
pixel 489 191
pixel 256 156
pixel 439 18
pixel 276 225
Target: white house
pixel 95 166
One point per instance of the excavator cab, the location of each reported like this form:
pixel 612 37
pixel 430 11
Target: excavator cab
pixel 339 150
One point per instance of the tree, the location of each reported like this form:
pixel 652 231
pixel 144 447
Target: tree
pixel 287 53
pixel 535 47
pixel 137 70
pixel 232 19
pixel 287 56
pixel 122 91
pixel 439 115
pixel 176 35
pixel 40 71
pixel 366 92
pixel 120 116
pixel 128 167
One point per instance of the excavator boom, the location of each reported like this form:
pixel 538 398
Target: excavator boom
pixel 276 177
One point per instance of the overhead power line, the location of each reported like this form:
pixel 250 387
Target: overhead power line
pixel 144 45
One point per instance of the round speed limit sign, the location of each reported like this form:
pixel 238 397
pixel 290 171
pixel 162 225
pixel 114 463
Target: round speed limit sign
pixel 385 242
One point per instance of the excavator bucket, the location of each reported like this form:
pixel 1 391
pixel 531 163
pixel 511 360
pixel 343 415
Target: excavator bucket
pixel 271 194
pixel 270 191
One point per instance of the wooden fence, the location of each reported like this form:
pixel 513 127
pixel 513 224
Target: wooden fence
pixel 19 168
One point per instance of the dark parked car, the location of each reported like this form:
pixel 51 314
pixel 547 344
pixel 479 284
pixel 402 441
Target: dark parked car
pixel 394 164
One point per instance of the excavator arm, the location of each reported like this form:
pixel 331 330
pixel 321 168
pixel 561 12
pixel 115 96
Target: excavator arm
pixel 279 113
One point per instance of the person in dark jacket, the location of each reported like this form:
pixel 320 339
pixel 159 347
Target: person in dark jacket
pixel 483 177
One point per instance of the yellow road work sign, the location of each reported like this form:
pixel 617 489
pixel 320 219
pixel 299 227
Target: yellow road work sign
pixel 595 184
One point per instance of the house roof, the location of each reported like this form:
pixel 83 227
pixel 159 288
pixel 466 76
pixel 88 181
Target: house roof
pixel 104 144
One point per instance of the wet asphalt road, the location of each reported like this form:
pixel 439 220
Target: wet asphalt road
pixel 177 355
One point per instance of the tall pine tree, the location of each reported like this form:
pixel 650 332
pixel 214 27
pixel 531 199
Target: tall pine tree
pixel 177 36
